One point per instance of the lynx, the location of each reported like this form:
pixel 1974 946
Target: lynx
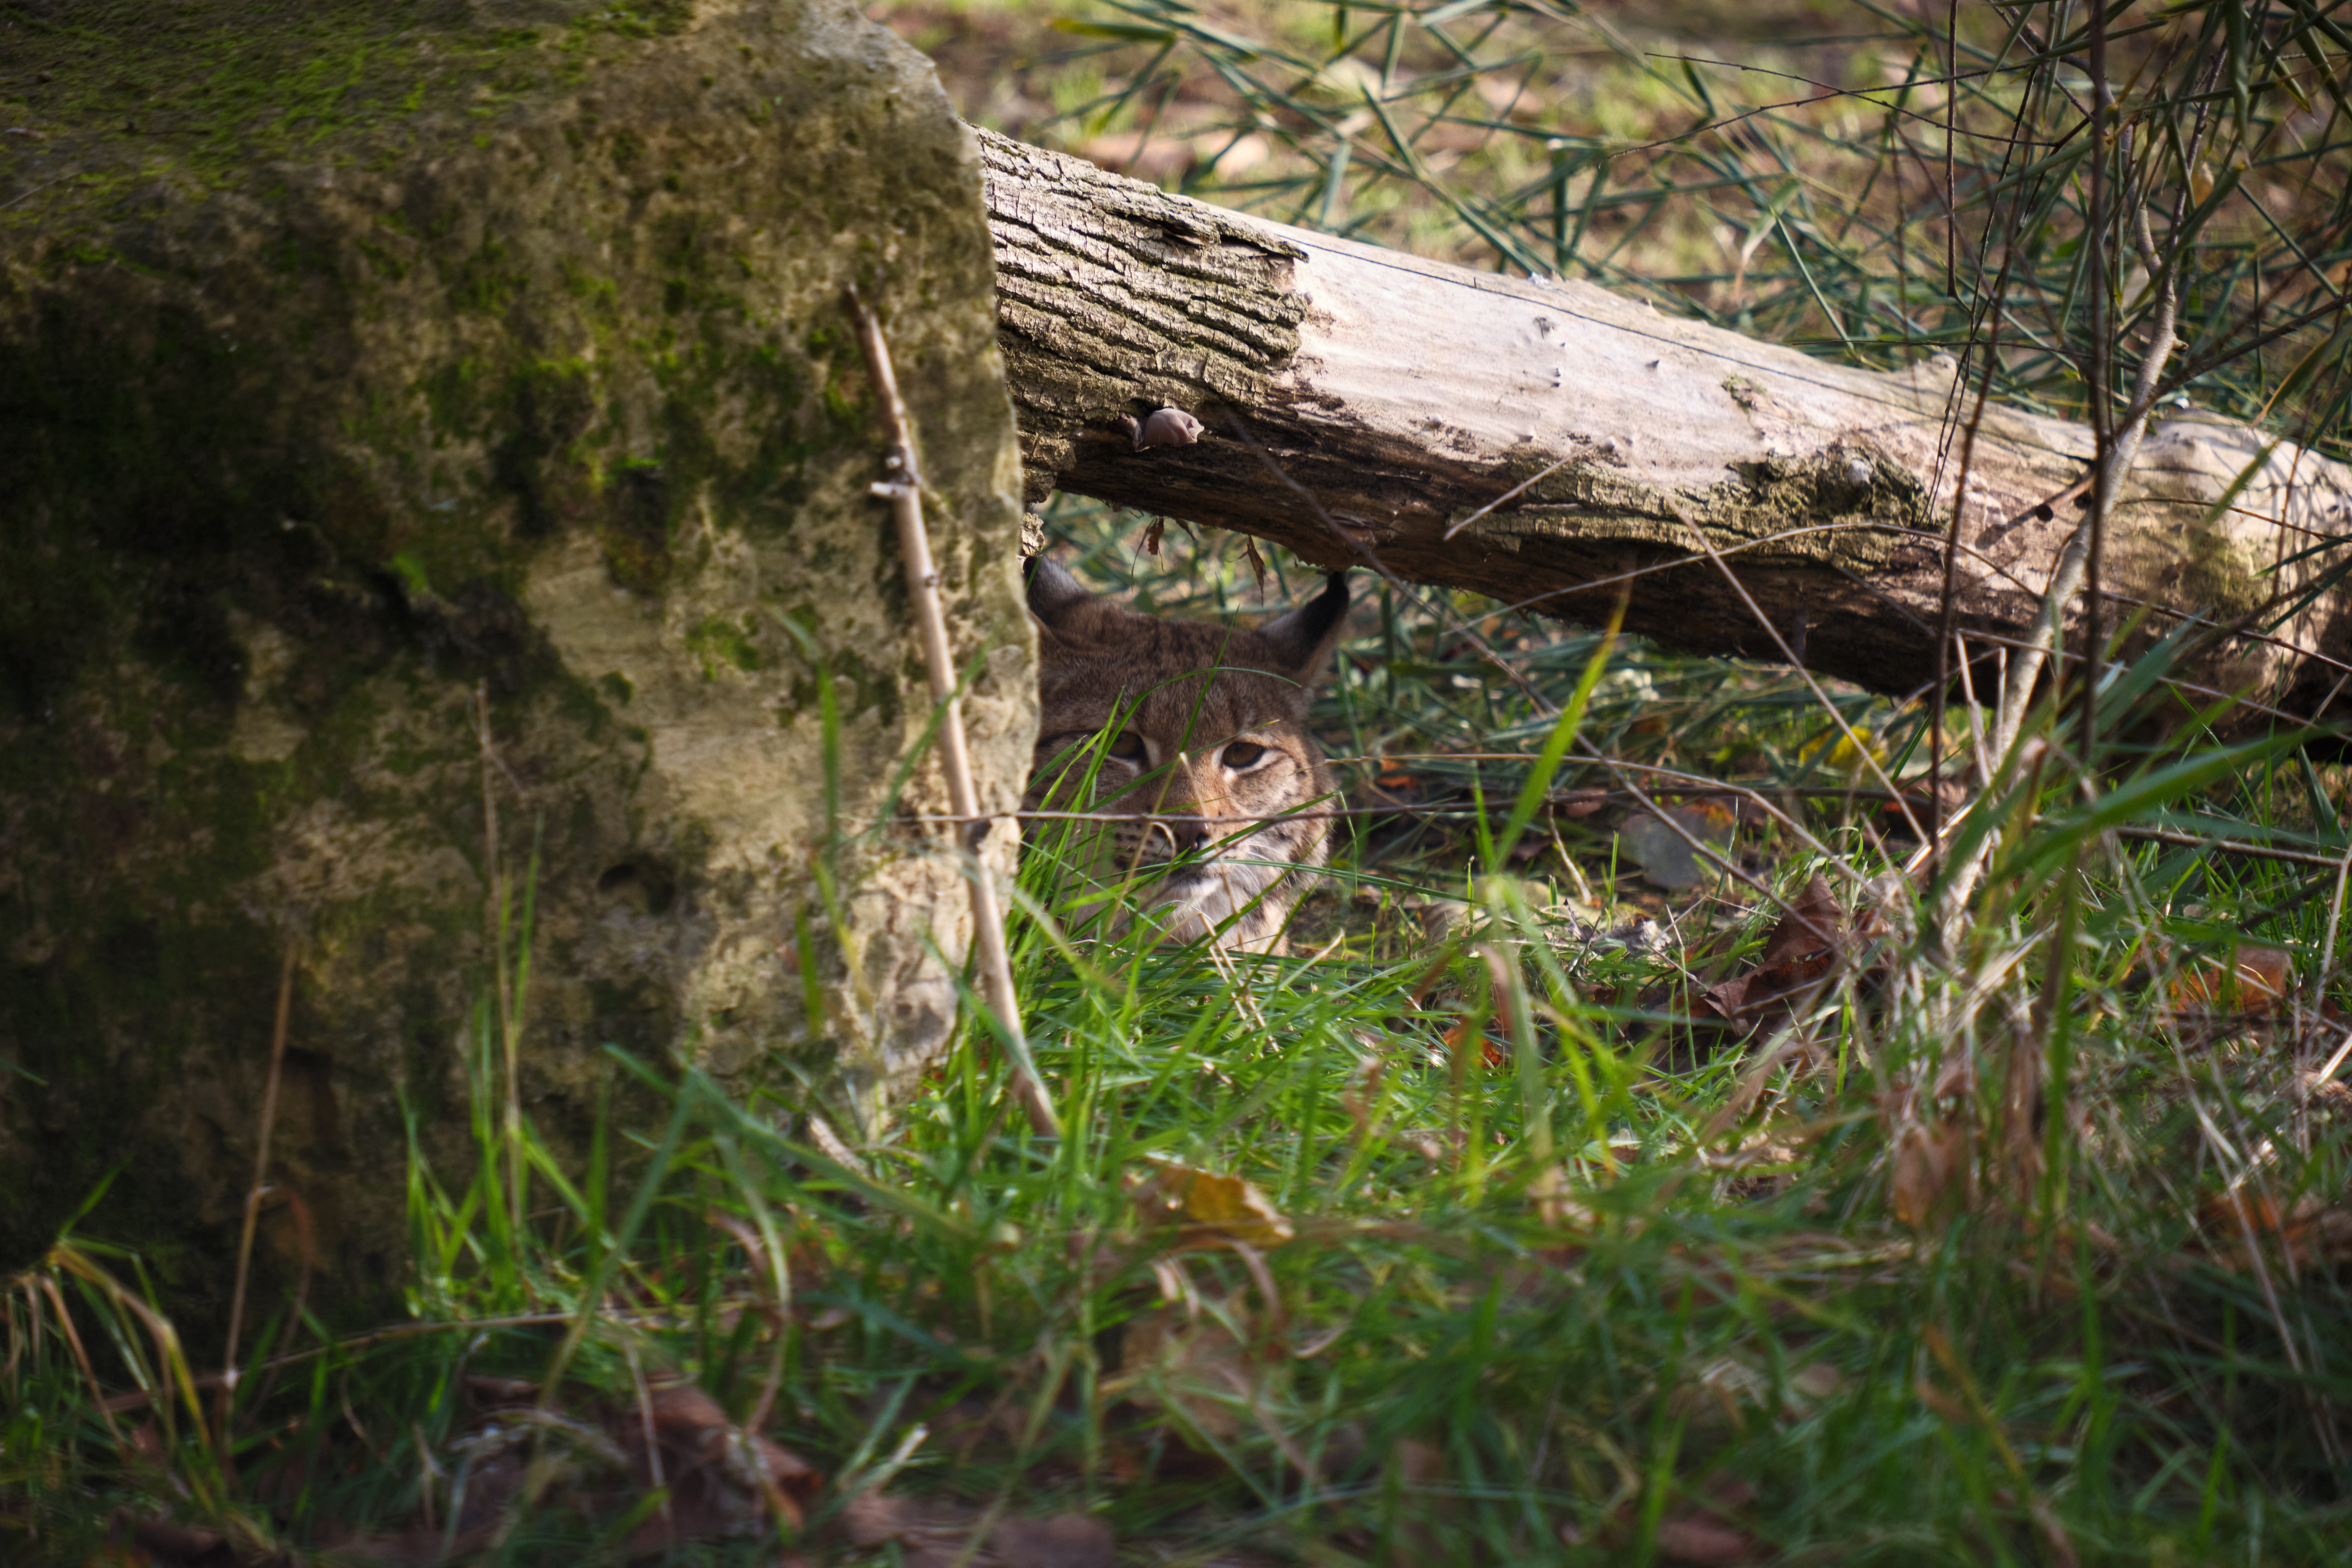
pixel 1192 738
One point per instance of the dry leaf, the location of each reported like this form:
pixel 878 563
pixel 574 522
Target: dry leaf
pixel 2311 1230
pixel 721 1480
pixel 1927 1161
pixel 935 1535
pixel 1214 1209
pixel 2250 979
pixel 1065 1540
pixel 1665 855
pixel 1492 1052
pixel 735 1477
pixel 1800 951
pixel 1197 1369
pixel 1256 562
pixel 161 1541
pixel 1578 802
pixel 1697 1530
pixel 2331 1094
pixel 1694 1538
pixel 1815 1381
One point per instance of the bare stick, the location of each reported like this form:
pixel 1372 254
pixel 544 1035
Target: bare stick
pixel 253 1202
pixel 904 490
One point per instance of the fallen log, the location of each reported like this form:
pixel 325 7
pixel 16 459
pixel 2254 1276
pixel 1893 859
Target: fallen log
pixel 1538 441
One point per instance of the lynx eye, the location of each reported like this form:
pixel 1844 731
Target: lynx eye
pixel 1243 753
pixel 1127 746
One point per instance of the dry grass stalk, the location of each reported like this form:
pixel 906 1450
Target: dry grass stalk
pixel 253 1196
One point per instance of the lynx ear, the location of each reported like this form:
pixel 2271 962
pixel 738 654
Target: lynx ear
pixel 1304 638
pixel 1053 594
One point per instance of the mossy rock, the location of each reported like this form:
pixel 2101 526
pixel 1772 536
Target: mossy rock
pixel 367 368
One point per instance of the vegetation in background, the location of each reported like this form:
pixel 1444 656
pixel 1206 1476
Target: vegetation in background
pixel 1695 1131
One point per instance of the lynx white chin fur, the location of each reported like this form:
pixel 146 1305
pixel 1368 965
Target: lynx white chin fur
pixel 1192 740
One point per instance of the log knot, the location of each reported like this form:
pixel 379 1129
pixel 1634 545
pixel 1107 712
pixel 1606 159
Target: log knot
pixel 1112 295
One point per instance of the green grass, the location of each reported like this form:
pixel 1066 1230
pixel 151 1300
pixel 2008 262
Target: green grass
pixel 1558 1275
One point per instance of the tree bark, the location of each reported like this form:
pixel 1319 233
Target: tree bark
pixel 1366 408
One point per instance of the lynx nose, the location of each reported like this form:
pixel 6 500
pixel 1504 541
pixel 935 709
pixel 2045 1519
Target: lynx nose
pixel 1189 834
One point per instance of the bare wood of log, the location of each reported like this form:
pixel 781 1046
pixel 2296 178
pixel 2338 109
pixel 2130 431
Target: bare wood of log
pixel 1405 395
pixel 904 490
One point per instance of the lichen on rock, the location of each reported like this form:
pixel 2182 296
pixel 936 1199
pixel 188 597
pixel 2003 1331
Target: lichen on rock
pixel 390 367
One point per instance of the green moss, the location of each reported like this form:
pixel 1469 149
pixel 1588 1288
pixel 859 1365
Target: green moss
pixel 202 92
pixel 412 573
pixel 718 642
pixel 644 19
pixel 486 282
pixel 2214 572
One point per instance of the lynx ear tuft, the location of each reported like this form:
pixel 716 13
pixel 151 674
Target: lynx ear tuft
pixel 1053 594
pixel 1304 638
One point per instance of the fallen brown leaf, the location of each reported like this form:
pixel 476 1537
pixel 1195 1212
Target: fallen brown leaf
pixel 1213 1209
pixel 1491 1051
pixel 1698 1529
pixel 1928 1162
pixel 2250 978
pixel 1064 1540
pixel 2311 1230
pixel 161 1541
pixel 1801 949
pixel 1197 1369
pixel 718 1481
pixel 722 1480
pixel 937 1534
pixel 1696 1539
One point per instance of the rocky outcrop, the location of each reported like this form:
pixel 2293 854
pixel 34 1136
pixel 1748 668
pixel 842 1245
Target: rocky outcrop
pixel 362 376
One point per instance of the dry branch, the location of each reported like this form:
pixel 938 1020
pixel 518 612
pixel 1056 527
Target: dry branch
pixel 904 490
pixel 1404 396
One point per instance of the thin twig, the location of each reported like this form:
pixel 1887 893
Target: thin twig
pixel 1510 494
pixel 44 185
pixel 2100 351
pixel 253 1207
pixel 1948 631
pixel 904 490
pixel 2328 947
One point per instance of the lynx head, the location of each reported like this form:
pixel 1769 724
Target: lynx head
pixel 1192 738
